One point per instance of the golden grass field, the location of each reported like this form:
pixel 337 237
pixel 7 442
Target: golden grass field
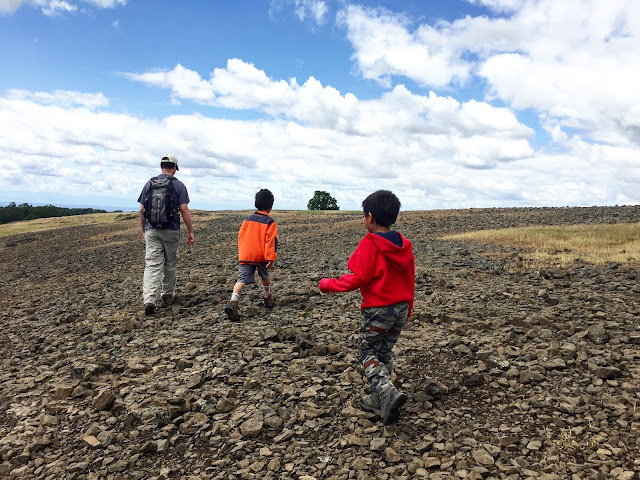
pixel 40 224
pixel 599 243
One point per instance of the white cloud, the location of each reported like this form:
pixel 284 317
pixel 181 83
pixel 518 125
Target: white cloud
pixel 62 98
pixel 184 83
pixel 384 47
pixel 499 5
pixel 435 150
pixel 7 7
pixel 311 8
pixel 242 86
pixel 55 7
pixel 576 63
pixel 313 12
pixel 106 3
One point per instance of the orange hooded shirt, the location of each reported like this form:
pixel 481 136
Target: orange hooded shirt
pixel 257 239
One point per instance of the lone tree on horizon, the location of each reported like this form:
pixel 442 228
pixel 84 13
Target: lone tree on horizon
pixel 322 201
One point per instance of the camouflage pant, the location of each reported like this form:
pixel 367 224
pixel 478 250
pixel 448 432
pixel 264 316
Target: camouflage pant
pixel 380 328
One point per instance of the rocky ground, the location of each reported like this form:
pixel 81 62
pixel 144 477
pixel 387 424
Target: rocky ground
pixel 513 371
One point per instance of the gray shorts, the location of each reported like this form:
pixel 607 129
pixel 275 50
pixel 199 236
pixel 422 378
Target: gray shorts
pixel 247 273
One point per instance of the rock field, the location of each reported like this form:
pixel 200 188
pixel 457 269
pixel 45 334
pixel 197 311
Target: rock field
pixel 513 371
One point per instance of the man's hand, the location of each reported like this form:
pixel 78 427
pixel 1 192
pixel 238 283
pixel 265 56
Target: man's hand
pixel 270 263
pixel 143 221
pixel 191 239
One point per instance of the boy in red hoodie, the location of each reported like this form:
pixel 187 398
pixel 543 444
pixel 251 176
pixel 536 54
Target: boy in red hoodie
pixel 383 269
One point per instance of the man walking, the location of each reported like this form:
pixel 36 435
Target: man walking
pixel 163 199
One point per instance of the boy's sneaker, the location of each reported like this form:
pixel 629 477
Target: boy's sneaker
pixel 391 401
pixel 371 403
pixel 269 302
pixel 232 310
pixel 149 308
pixel 168 300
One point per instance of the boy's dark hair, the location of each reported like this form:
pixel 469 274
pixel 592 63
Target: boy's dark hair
pixel 167 165
pixel 264 199
pixel 383 205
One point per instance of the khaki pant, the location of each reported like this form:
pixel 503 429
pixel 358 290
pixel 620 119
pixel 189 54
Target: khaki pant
pixel 161 263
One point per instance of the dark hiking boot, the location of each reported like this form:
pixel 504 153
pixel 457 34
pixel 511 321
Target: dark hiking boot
pixel 168 300
pixel 371 403
pixel 269 302
pixel 391 401
pixel 232 311
pixel 149 308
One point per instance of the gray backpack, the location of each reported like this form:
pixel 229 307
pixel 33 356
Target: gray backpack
pixel 161 202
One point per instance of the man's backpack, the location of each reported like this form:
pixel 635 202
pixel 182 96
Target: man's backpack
pixel 161 202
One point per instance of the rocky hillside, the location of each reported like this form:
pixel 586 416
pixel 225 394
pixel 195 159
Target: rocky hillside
pixel 513 372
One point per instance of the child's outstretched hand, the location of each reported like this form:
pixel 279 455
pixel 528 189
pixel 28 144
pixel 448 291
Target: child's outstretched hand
pixel 323 285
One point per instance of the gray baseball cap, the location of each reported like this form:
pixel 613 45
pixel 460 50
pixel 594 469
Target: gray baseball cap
pixel 171 159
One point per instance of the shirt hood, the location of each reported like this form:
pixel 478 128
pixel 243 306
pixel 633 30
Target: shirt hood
pixel 399 257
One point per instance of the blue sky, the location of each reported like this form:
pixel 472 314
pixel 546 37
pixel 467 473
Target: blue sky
pixel 450 103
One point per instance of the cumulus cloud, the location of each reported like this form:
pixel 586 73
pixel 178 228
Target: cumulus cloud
pixel 7 7
pixel 312 12
pixel 313 9
pixel 54 7
pixel 499 5
pixel 436 150
pixel 385 46
pixel 578 67
pixel 184 83
pixel 243 86
pixel 62 98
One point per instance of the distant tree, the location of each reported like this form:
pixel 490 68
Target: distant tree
pixel 322 201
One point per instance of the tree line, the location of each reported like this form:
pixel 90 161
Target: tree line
pixel 16 213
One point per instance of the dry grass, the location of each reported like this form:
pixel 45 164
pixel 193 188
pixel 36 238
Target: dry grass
pixel 41 224
pixel 317 212
pixel 618 242
pixel 568 441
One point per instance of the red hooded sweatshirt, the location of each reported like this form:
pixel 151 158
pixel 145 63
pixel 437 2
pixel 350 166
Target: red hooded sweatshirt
pixel 384 273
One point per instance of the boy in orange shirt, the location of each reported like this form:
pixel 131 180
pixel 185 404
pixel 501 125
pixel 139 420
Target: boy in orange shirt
pixel 257 250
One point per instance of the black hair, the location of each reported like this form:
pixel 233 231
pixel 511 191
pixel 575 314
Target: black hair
pixel 383 205
pixel 264 199
pixel 167 165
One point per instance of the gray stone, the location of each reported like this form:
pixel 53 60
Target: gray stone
pixel 104 400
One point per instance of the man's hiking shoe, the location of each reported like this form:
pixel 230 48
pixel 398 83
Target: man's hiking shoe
pixel 232 311
pixel 168 300
pixel 269 302
pixel 391 401
pixel 149 308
